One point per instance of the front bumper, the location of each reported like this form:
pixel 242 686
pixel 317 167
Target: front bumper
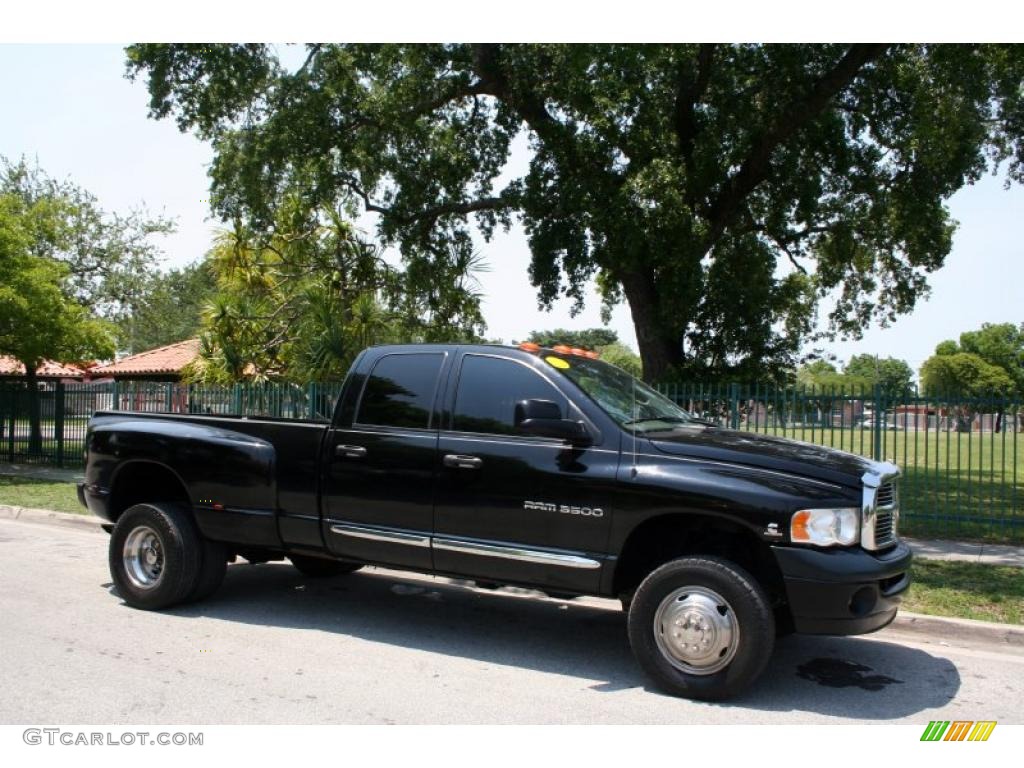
pixel 844 591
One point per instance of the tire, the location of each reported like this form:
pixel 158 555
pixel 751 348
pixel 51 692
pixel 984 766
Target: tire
pixel 213 566
pixel 321 568
pixel 155 555
pixel 726 628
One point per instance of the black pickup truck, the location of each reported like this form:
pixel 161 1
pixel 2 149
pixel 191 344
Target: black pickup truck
pixel 543 468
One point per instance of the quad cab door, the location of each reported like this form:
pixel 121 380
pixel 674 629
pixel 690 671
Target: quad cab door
pixel 378 489
pixel 511 507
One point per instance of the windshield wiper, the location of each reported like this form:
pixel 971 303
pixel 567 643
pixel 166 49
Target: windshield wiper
pixel 668 419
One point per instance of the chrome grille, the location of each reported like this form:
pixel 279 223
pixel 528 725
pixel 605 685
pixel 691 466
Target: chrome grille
pixel 881 508
pixel 886 515
pixel 885 527
pixel 886 496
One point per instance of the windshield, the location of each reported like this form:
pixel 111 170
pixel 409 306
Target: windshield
pixel 630 402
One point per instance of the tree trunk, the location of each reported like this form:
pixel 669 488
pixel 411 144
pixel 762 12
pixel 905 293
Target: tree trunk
pixel 658 351
pixel 35 431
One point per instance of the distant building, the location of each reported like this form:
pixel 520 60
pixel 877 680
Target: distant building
pixel 49 370
pixel 161 364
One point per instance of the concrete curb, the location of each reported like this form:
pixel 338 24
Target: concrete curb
pixel 948 628
pixel 49 517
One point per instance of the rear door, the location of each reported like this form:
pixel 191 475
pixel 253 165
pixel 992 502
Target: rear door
pixel 379 483
pixel 511 507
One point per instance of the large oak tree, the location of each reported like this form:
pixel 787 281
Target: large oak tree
pixel 723 190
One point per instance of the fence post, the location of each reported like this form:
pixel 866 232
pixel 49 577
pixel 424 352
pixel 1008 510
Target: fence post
pixel 168 392
pixel 12 403
pixel 115 397
pixel 878 423
pixel 311 400
pixel 734 405
pixel 58 420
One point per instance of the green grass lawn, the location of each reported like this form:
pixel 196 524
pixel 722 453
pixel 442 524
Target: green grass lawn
pixel 57 495
pixel 967 591
pixel 960 485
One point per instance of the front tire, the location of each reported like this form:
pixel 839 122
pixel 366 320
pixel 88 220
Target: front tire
pixel 155 555
pixel 701 628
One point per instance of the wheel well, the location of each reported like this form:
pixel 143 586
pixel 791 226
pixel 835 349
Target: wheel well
pixel 142 481
pixel 660 539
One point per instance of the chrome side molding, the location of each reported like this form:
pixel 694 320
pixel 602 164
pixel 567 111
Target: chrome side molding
pixel 465 547
pixel 378 534
pixel 515 553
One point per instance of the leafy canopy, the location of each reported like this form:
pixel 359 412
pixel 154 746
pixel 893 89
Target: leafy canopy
pixel 299 303
pixel 1000 344
pixel 108 259
pixel 964 374
pixel 723 190
pixel 890 374
pixel 38 319
pixel 170 306
pixel 822 376
pixel 589 338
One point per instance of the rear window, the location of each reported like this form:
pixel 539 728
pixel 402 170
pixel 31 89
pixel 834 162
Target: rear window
pixel 400 390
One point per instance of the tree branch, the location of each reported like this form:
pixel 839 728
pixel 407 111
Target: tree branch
pixel 494 82
pixel 431 213
pixel 689 92
pixel 786 124
pixel 313 51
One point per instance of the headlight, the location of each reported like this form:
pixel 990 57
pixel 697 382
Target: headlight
pixel 826 527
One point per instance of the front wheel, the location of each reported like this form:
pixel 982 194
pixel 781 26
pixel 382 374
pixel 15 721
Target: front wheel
pixel 701 627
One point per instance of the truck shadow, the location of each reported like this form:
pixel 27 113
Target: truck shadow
pixel 839 676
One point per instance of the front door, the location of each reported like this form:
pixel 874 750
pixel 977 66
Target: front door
pixel 517 508
pixel 378 494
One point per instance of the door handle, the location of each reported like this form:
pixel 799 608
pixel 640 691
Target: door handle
pixel 463 462
pixel 350 451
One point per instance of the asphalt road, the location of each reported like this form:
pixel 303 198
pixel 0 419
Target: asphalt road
pixel 386 647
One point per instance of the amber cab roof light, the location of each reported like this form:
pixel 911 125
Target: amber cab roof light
pixel 561 349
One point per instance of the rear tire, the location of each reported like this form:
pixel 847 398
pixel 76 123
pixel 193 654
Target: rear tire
pixel 155 555
pixel 321 568
pixel 212 569
pixel 701 628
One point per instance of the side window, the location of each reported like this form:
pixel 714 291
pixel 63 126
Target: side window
pixel 399 391
pixel 489 389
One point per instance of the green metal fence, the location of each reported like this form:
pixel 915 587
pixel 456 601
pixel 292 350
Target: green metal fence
pixel 65 407
pixel 962 458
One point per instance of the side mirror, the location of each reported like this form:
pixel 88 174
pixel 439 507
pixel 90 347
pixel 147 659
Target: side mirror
pixel 527 410
pixel 543 418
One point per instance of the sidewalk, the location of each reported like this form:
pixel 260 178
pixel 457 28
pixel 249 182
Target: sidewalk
pixel 927 549
pixel 989 554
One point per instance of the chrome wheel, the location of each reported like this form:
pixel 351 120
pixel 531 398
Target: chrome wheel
pixel 143 557
pixel 696 630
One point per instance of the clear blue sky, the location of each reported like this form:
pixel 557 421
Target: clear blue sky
pixel 70 107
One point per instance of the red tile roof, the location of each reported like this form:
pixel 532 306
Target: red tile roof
pixel 170 359
pixel 49 369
